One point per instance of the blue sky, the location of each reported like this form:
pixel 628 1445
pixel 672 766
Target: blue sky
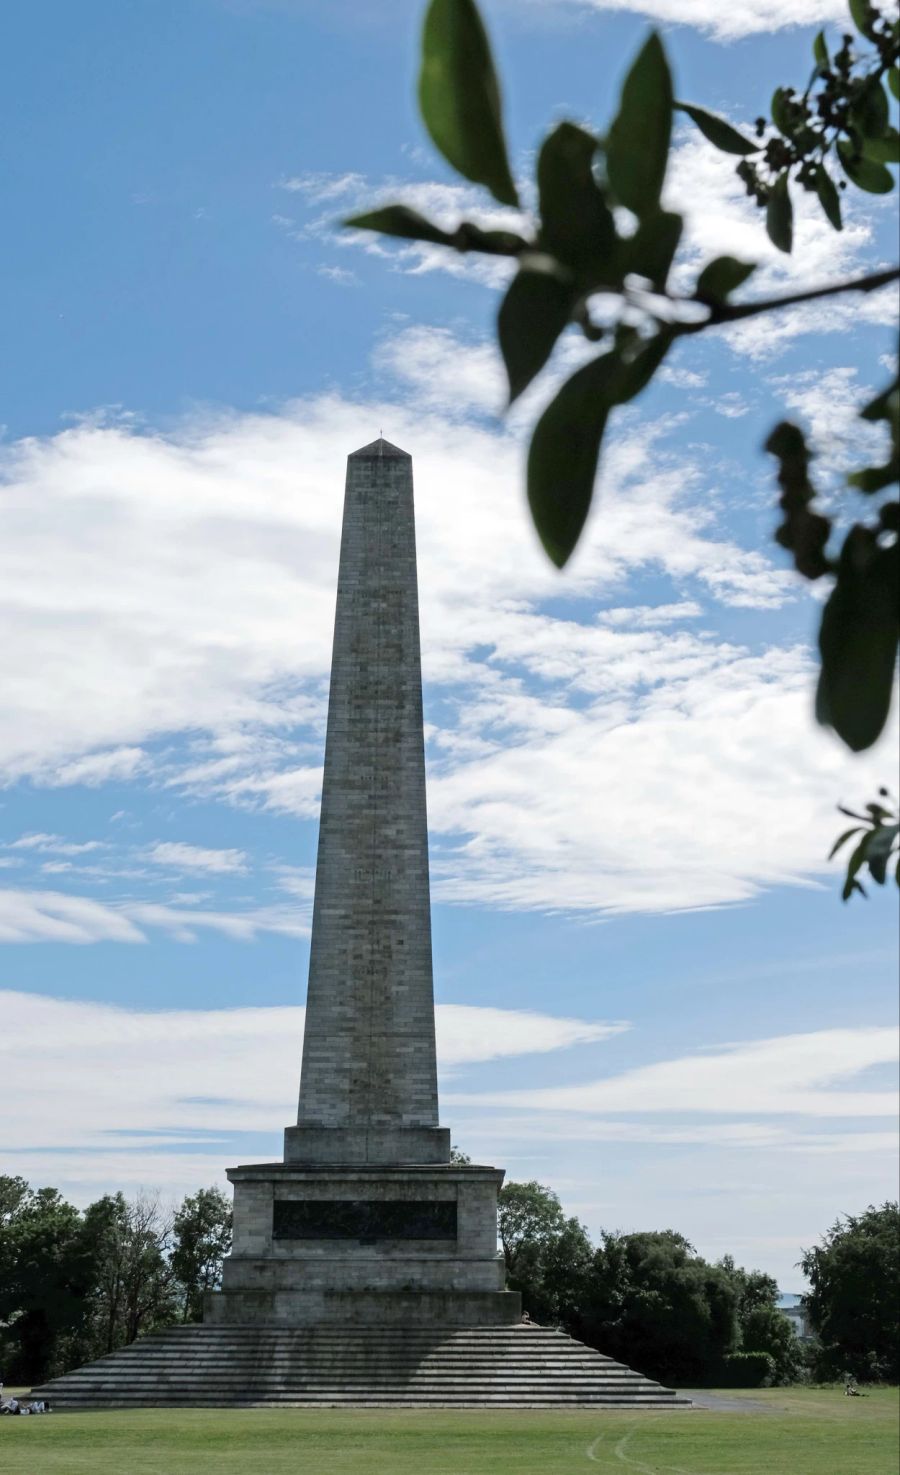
pixel 650 995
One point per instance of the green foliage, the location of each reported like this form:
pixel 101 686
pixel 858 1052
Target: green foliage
pixel 637 146
pixel 876 849
pixel 720 133
pixel 547 1256
pixel 581 252
pixel 766 1331
pixel 459 96
pixel 860 626
pixel 201 1234
pixel 654 1303
pixel 855 1278
pixel 722 276
pixel 532 315
pixel 748 1369
pixel 45 1275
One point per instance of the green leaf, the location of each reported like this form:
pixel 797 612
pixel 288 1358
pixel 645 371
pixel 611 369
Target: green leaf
pixel 650 251
pixel 471 237
pixel 858 641
pixel 879 851
pixel 860 10
pixel 576 223
pixel 829 197
pixel 874 478
pixel 869 113
pixel 637 148
pixel 635 374
pixel 869 176
pixel 722 276
pixel 780 114
pixel 884 150
pixel 842 840
pixel 726 138
pixel 532 315
pixel 562 458
pixel 820 50
pixel 399 220
pixel 459 96
pixel 893 81
pixel 780 215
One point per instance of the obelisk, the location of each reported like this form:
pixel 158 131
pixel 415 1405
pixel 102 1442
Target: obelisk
pixel 368 1088
pixel 367 1221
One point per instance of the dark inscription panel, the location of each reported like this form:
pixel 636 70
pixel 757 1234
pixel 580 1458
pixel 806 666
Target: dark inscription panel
pixel 363 1219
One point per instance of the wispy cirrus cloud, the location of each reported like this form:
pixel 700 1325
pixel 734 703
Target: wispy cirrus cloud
pixel 799 1074
pixel 179 856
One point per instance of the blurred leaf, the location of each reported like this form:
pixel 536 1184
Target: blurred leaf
pixel 842 840
pixel 562 458
pixel 471 237
pixel 893 78
pixel 721 277
pixel 861 12
pixel 635 374
pixel 857 860
pixel 459 96
pixel 650 251
pixel 637 148
pixel 884 150
pixel 869 114
pixel 576 222
pixel 829 197
pixel 874 478
pixel 780 215
pixel 879 851
pixel 820 50
pixel 865 173
pixel 781 116
pixel 858 641
pixel 532 315
pixel 399 220
pixel 726 138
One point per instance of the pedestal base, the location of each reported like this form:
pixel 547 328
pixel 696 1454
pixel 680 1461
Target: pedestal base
pixel 366 1245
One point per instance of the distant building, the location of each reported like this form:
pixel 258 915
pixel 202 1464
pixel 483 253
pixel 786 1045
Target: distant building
pixel 794 1308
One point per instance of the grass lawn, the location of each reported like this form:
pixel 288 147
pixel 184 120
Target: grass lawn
pixel 798 1432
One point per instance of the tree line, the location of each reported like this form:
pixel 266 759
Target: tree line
pixel 77 1284
pixel 649 1300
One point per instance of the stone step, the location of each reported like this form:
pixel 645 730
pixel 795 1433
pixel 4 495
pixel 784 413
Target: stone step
pixel 214 1367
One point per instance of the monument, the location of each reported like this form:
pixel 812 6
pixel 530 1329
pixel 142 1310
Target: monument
pixel 365 1268
pixel 367 1219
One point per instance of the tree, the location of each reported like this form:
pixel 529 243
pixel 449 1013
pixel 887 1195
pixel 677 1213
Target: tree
pixel 578 266
pixel 201 1239
pixel 547 1256
pixel 44 1278
pixel 766 1329
pixel 132 1285
pixel 855 1278
pixel 654 1303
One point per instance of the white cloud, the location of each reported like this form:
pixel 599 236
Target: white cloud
pixel 51 916
pixel 55 843
pixel 183 584
pixel 789 1074
pixel 115 765
pixel 179 856
pixel 725 22
pixel 222 1071
pixel 55 916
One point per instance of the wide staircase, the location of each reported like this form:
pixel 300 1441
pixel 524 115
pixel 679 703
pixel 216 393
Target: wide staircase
pixel 334 1366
